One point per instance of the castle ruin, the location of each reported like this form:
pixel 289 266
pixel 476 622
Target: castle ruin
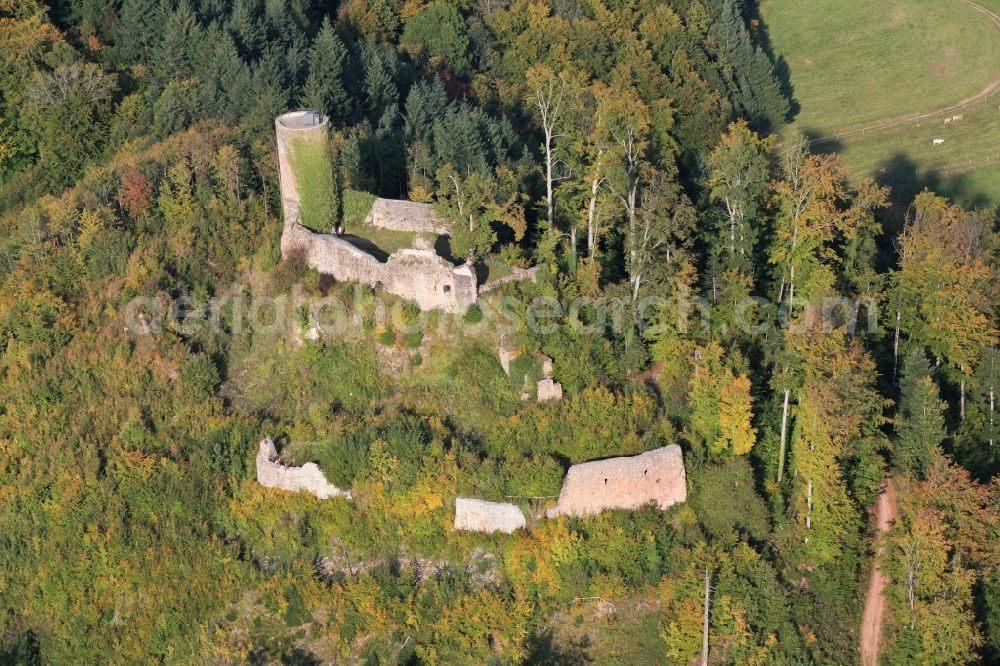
pixel 655 476
pixel 418 273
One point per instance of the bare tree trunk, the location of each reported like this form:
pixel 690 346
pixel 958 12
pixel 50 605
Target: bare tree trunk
pixel 809 505
pixel 595 185
pixel 961 400
pixel 784 432
pixel 704 631
pixel 991 416
pixel 895 348
pixel 791 289
pixel 911 585
pixel 791 269
pixel 572 248
pixel 550 204
pixel 633 251
pixel 732 228
pixel 263 187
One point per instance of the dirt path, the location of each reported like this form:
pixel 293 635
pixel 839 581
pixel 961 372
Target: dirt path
pixel 990 88
pixel 874 614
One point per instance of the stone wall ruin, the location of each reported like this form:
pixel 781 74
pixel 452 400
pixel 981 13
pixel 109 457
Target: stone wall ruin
pixel 401 215
pixel 656 476
pixel 477 515
pixel 418 273
pixel 623 483
pixel 308 478
pixel 548 390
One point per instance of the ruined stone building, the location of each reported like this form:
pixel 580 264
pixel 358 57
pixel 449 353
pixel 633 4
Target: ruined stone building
pixel 308 478
pixel 418 273
pixel 623 483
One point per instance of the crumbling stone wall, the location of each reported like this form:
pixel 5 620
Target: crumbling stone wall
pixel 308 478
pixel 517 274
pixel 548 390
pixel 623 483
pixel 477 515
pixel 405 216
pixel 506 356
pixel 417 273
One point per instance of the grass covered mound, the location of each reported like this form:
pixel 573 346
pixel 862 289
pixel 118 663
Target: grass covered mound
pixel 314 177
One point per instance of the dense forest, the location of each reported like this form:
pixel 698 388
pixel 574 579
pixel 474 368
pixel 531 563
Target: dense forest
pixel 801 334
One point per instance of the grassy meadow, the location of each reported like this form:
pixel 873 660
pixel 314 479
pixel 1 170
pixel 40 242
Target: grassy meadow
pixel 908 154
pixel 843 58
pixel 853 62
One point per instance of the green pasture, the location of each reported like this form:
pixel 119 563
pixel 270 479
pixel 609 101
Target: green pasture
pixel 857 61
pixel 964 167
pixel 852 63
pixel 975 189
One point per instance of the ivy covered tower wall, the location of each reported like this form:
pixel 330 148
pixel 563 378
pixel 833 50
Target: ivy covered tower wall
pixel 308 190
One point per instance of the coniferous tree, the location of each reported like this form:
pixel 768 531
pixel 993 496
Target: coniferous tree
pixel 752 79
pixel 70 111
pixel 977 444
pixel 225 80
pixel 171 59
pixel 137 30
pixel 439 31
pixel 425 105
pixel 458 140
pixel 919 421
pixel 324 87
pixel 246 28
pixel 381 91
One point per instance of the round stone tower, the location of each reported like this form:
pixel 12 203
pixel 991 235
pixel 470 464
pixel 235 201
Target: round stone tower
pixel 295 130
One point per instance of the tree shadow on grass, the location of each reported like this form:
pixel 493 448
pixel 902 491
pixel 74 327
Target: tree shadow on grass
pixel 907 180
pixel 902 174
pixel 961 189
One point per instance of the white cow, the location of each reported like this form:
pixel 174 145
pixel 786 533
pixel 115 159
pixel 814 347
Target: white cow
pixel 938 142
pixel 955 119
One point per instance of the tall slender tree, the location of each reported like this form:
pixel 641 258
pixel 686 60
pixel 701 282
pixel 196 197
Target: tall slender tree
pixel 738 181
pixel 919 422
pixel 324 88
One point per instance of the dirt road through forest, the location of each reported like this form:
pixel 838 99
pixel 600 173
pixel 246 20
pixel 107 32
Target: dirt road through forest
pixel 875 606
